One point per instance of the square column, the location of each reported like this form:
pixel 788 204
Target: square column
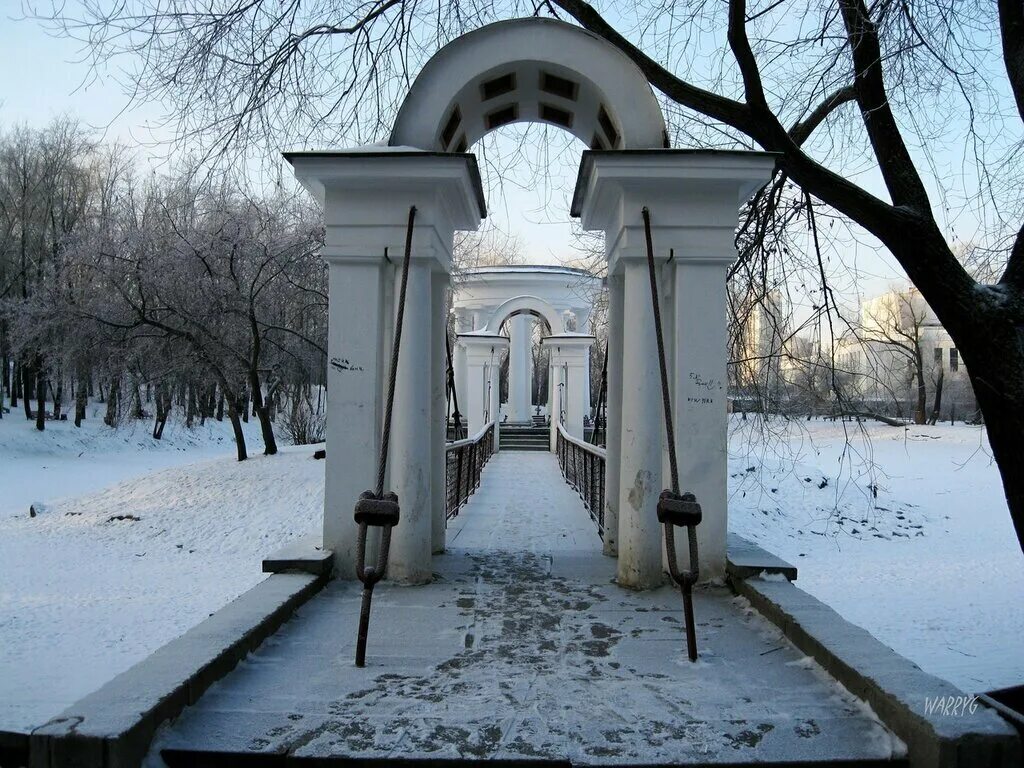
pixel 366 198
pixel 463 323
pixel 641 436
pixel 519 368
pixel 569 358
pixel 483 356
pixel 583 326
pixel 693 198
pixel 613 417
pixel 439 414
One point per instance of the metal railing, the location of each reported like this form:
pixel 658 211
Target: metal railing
pixel 583 468
pixel 464 460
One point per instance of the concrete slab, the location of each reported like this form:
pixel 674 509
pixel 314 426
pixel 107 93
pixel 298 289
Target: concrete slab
pixel 953 733
pixel 113 727
pixel 303 556
pixel 745 559
pixel 523 649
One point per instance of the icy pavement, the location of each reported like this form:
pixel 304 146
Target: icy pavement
pixel 524 648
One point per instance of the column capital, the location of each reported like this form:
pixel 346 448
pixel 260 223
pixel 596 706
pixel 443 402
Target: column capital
pixel 366 194
pixel 692 195
pixel 481 345
pixel 568 347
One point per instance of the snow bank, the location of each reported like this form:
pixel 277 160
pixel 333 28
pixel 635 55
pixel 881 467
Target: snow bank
pixel 904 531
pixel 97 582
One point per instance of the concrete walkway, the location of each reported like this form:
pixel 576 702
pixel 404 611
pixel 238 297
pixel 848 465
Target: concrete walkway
pixel 524 649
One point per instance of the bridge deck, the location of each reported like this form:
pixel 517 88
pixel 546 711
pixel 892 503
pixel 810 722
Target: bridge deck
pixel 524 649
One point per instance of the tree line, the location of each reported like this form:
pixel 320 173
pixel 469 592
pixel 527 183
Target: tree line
pixel 152 293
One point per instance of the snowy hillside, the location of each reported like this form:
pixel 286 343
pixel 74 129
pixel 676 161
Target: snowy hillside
pixel 96 582
pixel 904 531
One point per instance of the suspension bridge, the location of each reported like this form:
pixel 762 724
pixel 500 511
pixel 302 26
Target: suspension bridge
pixel 523 650
pixel 481 603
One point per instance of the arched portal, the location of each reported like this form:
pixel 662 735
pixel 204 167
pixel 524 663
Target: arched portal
pixel 530 70
pixel 519 305
pixel 504 300
pixel 517 71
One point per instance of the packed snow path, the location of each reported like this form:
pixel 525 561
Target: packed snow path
pixel 524 648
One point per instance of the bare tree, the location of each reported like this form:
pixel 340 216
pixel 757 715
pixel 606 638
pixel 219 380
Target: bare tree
pixel 893 336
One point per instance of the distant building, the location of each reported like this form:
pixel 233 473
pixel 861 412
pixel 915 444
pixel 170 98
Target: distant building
pixel 895 361
pixel 760 328
pixel 890 363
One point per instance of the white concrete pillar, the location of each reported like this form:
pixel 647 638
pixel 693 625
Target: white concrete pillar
pixel 474 395
pixel 552 392
pixel 366 199
pixel 481 350
pixel 519 368
pixel 693 199
pixel 583 326
pixel 411 461
pixel 640 448
pixel 439 413
pixel 556 388
pixel 356 354
pixel 613 411
pixel 568 358
pixel 699 400
pixel 494 392
pixel 463 323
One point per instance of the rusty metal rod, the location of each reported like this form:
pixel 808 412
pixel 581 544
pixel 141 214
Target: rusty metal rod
pixel 364 621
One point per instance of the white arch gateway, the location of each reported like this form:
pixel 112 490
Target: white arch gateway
pixel 528 70
pixel 487 300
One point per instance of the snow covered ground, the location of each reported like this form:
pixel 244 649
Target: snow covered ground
pixel 904 531
pixel 84 594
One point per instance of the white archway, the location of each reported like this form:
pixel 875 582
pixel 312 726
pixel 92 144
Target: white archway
pixel 530 70
pixel 525 304
pixel 515 71
pixel 505 300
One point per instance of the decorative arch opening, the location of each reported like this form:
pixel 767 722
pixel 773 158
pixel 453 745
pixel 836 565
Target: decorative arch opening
pixel 525 305
pixel 571 79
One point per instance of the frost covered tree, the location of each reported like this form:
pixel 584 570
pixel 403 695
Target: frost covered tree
pixel 151 295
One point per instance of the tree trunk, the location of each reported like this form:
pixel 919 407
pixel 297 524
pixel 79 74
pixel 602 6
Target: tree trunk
pixel 190 408
pixel 937 405
pixel 27 376
pixel 15 384
pixel 136 402
pixel 40 394
pixel 236 427
pixel 113 398
pixel 163 410
pixel 81 396
pixel 58 394
pixel 262 413
pixel 220 405
pixel 5 366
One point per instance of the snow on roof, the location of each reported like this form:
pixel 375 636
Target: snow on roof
pixel 530 268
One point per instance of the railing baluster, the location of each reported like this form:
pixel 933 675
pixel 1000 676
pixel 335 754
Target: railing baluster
pixel 583 467
pixel 464 463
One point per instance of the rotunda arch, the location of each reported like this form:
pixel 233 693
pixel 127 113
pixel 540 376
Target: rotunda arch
pixel 530 70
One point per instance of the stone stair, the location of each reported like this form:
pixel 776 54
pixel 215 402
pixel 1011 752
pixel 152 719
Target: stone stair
pixel 524 437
